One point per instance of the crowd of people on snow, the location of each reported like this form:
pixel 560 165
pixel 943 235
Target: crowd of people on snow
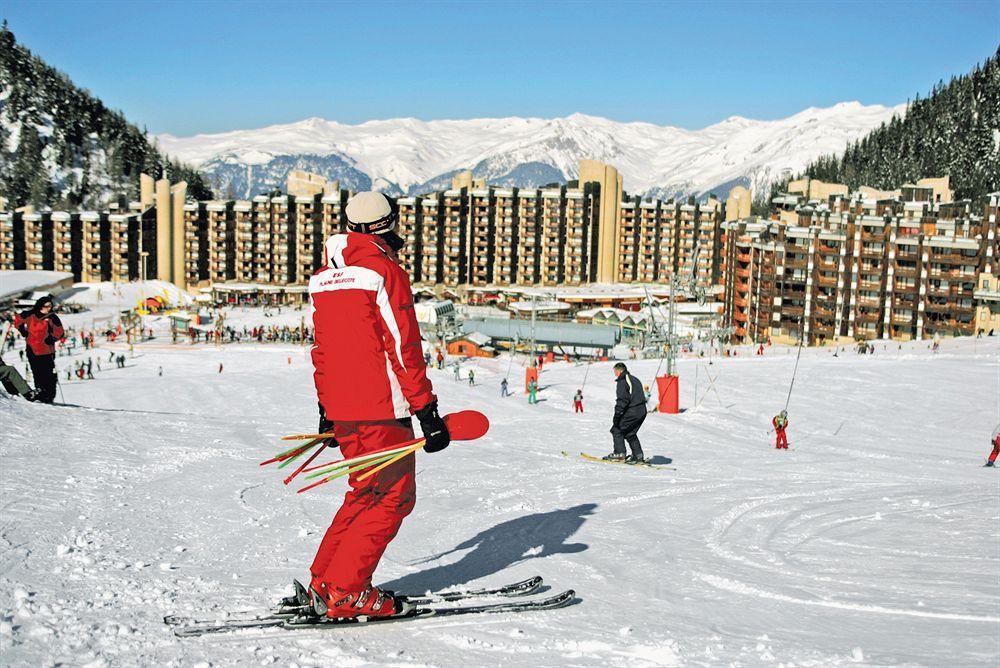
pixel 256 334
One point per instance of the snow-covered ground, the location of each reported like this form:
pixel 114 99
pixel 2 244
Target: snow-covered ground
pixel 873 541
pixel 126 295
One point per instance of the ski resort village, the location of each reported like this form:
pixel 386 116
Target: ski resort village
pixel 514 391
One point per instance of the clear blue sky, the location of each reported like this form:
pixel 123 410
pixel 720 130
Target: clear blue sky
pixel 187 67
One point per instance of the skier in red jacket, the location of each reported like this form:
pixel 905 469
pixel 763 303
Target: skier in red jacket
pixel 370 377
pixel 780 422
pixel 42 329
pixel 991 461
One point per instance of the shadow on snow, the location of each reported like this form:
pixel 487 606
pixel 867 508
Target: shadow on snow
pixel 529 537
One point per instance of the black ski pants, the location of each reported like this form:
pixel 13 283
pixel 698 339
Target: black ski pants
pixel 627 430
pixel 43 370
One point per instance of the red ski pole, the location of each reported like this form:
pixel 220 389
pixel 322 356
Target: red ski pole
pixel 306 463
pixel 297 450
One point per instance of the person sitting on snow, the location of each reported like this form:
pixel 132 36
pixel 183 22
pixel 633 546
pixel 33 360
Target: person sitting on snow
pixel 14 382
pixel 780 422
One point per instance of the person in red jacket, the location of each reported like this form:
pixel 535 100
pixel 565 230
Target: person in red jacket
pixel 991 461
pixel 42 329
pixel 780 422
pixel 370 376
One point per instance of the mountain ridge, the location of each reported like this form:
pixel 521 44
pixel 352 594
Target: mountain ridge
pixel 407 155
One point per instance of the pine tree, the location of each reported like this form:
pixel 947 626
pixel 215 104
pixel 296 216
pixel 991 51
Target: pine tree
pixel 85 135
pixel 954 131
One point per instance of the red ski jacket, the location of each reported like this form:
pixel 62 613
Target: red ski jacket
pixel 367 356
pixel 41 333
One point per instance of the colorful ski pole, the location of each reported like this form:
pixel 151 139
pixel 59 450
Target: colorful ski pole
pixel 289 453
pixel 295 455
pixel 348 462
pixel 302 437
pixel 306 462
pixel 413 448
pixel 345 470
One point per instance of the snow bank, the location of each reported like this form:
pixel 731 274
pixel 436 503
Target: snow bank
pixel 127 295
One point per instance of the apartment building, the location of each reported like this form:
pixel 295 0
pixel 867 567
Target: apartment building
pixel 7 238
pixel 870 270
pixel 432 238
pixel 505 236
pixel 454 212
pixel 528 255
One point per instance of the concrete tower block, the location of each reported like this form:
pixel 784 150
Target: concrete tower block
pixel 164 246
pixel 177 195
pixel 610 184
pixel 146 189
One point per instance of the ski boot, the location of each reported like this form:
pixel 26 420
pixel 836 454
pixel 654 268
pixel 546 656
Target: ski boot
pixel 371 602
pixel 635 459
pixel 299 599
pixel 33 395
pixel 614 457
pixel 989 464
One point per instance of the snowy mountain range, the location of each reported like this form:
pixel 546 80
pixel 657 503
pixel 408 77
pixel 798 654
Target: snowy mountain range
pixel 407 156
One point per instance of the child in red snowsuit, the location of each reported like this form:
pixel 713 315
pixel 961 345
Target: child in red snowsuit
pixel 996 447
pixel 578 402
pixel 780 422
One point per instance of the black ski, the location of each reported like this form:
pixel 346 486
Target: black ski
pixel 312 622
pixel 285 610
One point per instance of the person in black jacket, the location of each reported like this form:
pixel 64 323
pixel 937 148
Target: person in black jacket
pixel 630 411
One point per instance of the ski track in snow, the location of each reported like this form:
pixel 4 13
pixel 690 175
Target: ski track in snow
pixel 874 541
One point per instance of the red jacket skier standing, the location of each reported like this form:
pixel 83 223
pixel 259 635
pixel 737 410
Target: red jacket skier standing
pixel 370 376
pixel 780 422
pixel 42 329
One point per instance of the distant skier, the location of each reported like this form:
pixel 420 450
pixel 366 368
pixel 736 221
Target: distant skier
pixel 503 389
pixel 996 447
pixel 220 367
pixel 370 377
pixel 458 372
pixel 472 378
pixel 630 412
pixel 780 422
pixel 532 391
pixel 159 371
pixel 578 402
pixel 440 360
pixel 42 329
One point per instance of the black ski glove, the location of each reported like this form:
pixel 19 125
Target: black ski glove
pixel 436 434
pixel 326 427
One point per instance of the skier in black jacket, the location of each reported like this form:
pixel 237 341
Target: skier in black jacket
pixel 630 411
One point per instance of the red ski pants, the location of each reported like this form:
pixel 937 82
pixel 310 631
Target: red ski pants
pixel 373 509
pixel 782 440
pixel 577 406
pixel 996 451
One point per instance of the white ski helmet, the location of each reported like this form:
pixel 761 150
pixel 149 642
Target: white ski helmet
pixel 371 212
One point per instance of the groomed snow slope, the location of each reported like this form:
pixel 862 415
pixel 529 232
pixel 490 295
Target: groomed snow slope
pixel 873 541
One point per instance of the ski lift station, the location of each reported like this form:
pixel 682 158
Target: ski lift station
pixel 560 336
